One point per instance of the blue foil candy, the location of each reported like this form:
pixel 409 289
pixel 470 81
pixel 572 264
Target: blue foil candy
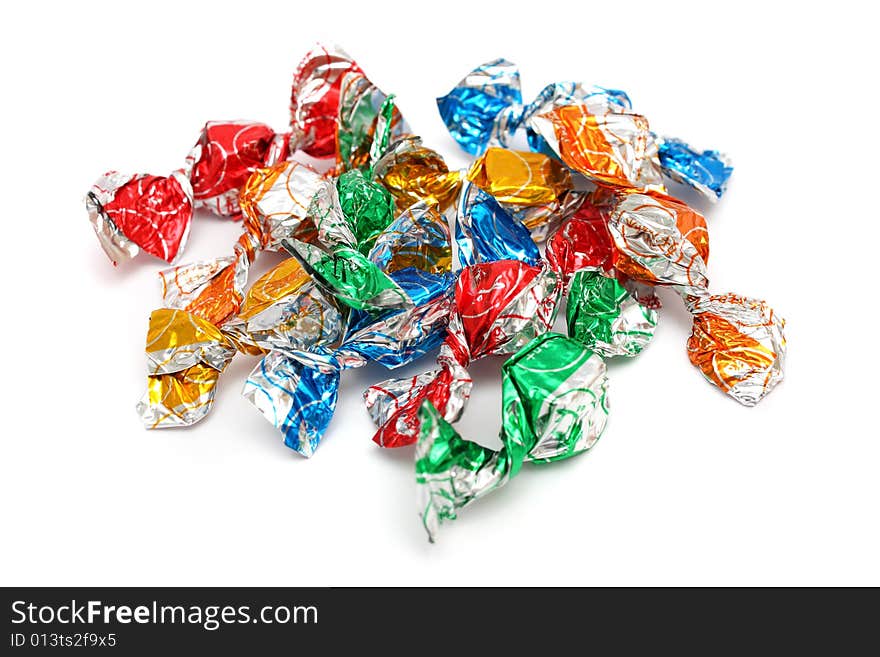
pixel 486 109
pixel 396 338
pixel 486 232
pixel 471 109
pixel 297 399
pixel 707 172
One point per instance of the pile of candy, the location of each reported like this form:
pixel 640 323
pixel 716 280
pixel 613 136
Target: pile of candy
pixel 371 275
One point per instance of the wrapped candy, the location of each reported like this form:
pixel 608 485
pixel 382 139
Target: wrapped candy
pixel 485 108
pixel 601 312
pixel 592 129
pixel 707 172
pixel 153 213
pixel 737 342
pixel 486 232
pixel 371 275
pixel 185 356
pixel 499 307
pixel 306 334
pixel 603 315
pixel 532 187
pixel 554 406
pixel 335 111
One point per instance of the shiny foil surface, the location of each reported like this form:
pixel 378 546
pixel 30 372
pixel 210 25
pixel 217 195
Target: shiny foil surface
pixel 737 342
pixel 554 406
pixel 486 109
pixel 486 232
pixel 414 173
pixel 185 356
pixel 367 205
pixel 471 110
pixel 499 307
pixel 225 156
pixel 275 202
pixel 581 242
pixel 519 177
pixel 614 148
pixel 371 276
pixel 315 99
pixel 418 238
pixel 603 316
pixel 134 212
pixel 297 399
pixel 706 171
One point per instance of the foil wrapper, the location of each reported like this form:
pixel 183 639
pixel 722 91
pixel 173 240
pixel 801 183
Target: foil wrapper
pixel 295 386
pixel 602 315
pixel 614 148
pixel 337 260
pixel 581 242
pixel 275 203
pixel 224 157
pixel 413 173
pixel 499 307
pixel 134 212
pixel 486 232
pixel 554 406
pixel 737 342
pixel 297 399
pixel 485 108
pixel 335 112
pixel 705 171
pixel 314 99
pixel 185 356
pixel 306 339
pixel 592 129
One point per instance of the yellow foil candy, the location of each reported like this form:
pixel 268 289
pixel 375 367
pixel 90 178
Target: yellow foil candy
pixel 284 279
pixel 520 178
pixel 185 355
pixel 417 174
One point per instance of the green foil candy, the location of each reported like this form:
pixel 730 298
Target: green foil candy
pixel 554 407
pixel 604 316
pixel 349 276
pixel 367 205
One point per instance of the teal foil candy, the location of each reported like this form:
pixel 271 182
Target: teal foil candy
pixel 602 315
pixel 554 407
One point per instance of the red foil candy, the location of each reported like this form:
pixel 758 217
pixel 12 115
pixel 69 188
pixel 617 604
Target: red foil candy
pixel 225 156
pixel 132 212
pixel 499 307
pixel 314 99
pixel 581 241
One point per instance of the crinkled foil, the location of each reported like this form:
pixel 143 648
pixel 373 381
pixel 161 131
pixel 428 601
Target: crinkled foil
pixel 185 355
pixel 706 171
pixel 499 307
pixel 614 148
pixel 140 211
pixel 603 316
pixel 485 232
pixel 297 399
pixel 315 96
pixel 275 202
pixel 224 157
pixel 581 242
pixel 554 406
pixel 485 108
pixel 414 173
pixel 737 342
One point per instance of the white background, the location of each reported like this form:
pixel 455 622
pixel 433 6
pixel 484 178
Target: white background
pixel 685 487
